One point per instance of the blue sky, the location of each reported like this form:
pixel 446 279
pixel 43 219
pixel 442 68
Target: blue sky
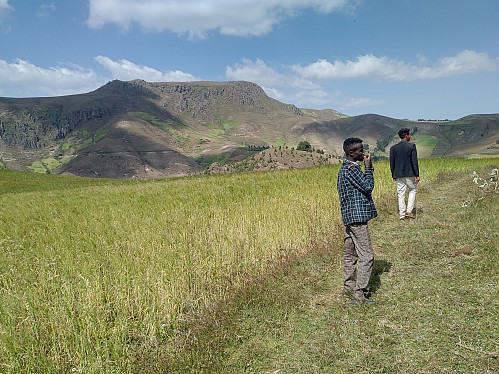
pixel 431 59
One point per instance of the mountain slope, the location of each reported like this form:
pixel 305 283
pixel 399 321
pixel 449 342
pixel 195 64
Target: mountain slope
pixel 139 129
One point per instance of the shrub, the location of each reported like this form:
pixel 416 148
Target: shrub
pixel 304 146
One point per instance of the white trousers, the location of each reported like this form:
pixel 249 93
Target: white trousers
pixel 402 185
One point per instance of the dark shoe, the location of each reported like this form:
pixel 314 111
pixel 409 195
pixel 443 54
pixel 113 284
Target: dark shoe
pixel 409 215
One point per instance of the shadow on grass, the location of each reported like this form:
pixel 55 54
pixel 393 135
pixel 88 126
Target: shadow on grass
pixel 379 267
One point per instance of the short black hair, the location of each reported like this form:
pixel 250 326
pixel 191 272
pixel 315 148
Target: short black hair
pixel 349 143
pixel 403 132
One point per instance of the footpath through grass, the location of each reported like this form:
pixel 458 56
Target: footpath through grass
pixel 436 279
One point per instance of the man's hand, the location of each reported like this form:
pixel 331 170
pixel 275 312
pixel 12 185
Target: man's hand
pixel 416 179
pixel 367 161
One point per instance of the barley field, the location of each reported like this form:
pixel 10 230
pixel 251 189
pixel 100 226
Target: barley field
pixel 96 272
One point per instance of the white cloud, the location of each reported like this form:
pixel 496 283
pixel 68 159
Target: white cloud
pixel 4 8
pixel 46 10
pixel 257 72
pixel 313 99
pixel 466 62
pixel 126 70
pixel 197 17
pixel 369 66
pixel 22 78
pixel 288 88
pixel 360 102
pixel 274 93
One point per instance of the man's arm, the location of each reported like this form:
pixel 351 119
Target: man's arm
pixel 392 161
pixel 362 182
pixel 414 162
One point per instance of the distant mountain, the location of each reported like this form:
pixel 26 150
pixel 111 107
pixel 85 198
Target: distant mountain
pixel 138 129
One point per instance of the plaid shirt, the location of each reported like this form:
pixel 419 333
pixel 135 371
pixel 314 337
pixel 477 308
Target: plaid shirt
pixel 354 190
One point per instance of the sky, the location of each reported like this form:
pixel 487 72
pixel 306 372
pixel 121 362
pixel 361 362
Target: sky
pixel 413 59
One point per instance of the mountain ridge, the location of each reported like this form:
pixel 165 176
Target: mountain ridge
pixel 139 129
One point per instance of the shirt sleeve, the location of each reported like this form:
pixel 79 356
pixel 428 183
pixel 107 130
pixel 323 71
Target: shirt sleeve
pixel 363 182
pixel 392 160
pixel 414 161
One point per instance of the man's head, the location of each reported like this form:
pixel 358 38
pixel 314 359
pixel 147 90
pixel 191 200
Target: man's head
pixel 354 149
pixel 405 132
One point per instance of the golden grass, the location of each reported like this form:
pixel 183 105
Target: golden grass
pixel 94 272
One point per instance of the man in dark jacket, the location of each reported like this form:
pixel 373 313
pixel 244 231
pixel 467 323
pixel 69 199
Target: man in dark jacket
pixel 357 208
pixel 405 171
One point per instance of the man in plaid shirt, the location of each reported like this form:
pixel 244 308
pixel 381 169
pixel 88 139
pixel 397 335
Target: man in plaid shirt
pixel 357 208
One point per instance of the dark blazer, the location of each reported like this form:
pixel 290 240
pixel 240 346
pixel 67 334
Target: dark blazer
pixel 404 160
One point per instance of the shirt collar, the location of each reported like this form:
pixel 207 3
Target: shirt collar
pixel 352 163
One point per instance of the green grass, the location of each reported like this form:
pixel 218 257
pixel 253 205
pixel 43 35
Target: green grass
pixel 223 125
pixel 92 274
pixel 65 147
pixel 309 114
pixel 168 127
pixel 279 142
pixel 480 156
pixel 182 137
pixel 89 139
pixel 99 135
pixel 435 279
pixel 66 159
pixel 217 130
pixel 115 276
pixel 45 166
pixel 229 124
pixel 143 115
pixel 85 144
pixel 17 183
pixel 162 125
pixel 453 123
pixel 425 145
pixel 67 150
pixel 222 158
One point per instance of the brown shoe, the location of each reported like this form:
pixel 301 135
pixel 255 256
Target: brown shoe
pixel 409 215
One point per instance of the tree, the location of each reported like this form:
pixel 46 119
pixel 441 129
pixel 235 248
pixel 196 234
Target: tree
pixel 304 146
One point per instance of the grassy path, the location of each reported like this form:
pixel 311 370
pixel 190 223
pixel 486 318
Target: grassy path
pixel 436 281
